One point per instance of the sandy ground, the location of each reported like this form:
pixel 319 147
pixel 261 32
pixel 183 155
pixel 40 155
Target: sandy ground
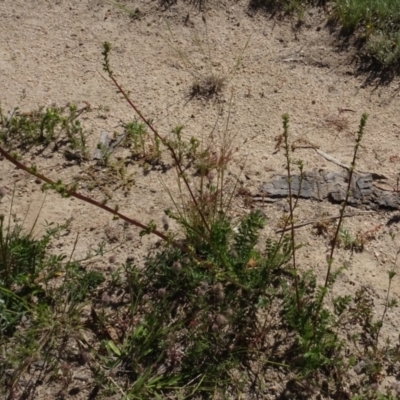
pixel 50 53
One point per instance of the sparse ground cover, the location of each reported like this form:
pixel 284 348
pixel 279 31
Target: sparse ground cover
pixel 218 307
pixel 373 24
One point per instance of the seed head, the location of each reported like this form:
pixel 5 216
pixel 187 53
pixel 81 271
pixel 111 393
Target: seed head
pixel 214 327
pixel 220 295
pixel 177 266
pixel 374 386
pixel 219 291
pixel 162 292
pixel 111 259
pixel 229 312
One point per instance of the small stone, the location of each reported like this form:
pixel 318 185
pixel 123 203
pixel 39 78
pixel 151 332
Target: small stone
pixel 360 367
pixel 81 377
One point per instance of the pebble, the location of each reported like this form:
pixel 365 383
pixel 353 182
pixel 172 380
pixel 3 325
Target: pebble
pixel 81 377
pixel 360 367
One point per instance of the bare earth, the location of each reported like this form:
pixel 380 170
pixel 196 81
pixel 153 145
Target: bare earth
pixel 50 53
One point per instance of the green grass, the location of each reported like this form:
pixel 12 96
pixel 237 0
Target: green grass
pixel 375 21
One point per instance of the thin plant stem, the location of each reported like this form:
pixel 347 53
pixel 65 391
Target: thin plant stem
pixel 386 307
pixel 175 156
pixel 360 133
pixel 291 206
pixel 73 193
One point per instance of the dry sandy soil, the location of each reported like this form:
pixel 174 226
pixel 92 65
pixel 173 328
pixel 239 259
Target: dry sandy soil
pixel 50 53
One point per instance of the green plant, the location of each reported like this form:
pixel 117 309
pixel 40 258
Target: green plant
pixel 349 242
pixel 22 261
pixel 374 24
pixel 54 125
pixel 133 14
pixel 304 310
pixel 377 21
pixel 137 133
pixel 105 154
pixel 78 282
pixel 193 323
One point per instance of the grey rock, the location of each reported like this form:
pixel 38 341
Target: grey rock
pixel 332 186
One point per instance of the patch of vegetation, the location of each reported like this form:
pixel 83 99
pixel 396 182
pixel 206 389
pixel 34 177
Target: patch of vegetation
pixel 56 126
pixel 290 7
pixel 208 315
pixel 375 23
pixel 208 87
pixel 22 261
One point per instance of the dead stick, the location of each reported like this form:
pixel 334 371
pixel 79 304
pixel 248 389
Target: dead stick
pixel 313 221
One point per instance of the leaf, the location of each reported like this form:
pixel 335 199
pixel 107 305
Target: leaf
pixel 114 348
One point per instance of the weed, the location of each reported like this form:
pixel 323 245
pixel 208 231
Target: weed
pixel 137 134
pixel 348 242
pixel 191 321
pixel 208 85
pixel 54 125
pixel 22 260
pixel 104 153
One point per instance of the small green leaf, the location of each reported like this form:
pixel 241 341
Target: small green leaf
pixel 114 348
